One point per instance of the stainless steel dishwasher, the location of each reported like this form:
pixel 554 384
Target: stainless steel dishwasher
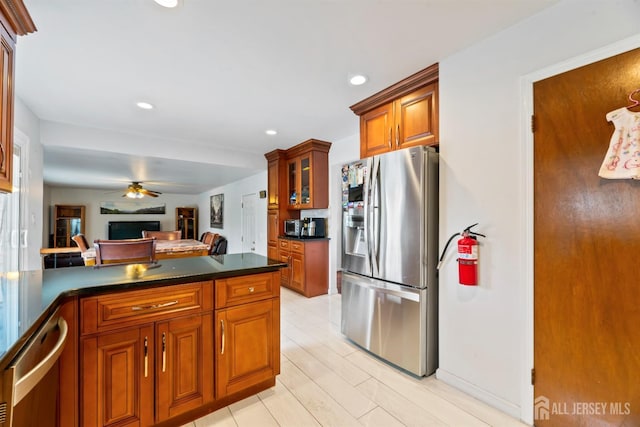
pixel 31 385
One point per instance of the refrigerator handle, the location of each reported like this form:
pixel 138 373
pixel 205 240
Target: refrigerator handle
pixel 374 226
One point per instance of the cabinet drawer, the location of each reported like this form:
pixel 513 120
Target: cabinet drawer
pixel 109 311
pixel 297 247
pixel 244 289
pixel 283 244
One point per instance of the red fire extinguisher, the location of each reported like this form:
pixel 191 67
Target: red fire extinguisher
pixel 467 256
pixel 468 260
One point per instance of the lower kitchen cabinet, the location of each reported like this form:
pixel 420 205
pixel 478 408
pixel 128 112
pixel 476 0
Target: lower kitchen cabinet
pixel 248 351
pixel 170 354
pixel 308 265
pixel 146 355
pixel 184 367
pixel 149 373
pixel 117 378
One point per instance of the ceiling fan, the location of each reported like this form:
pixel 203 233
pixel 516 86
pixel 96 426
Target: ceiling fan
pixel 136 191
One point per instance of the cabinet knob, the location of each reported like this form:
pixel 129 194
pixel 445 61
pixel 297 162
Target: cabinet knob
pixel 251 289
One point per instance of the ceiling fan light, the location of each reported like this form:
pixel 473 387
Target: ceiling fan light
pixel 134 195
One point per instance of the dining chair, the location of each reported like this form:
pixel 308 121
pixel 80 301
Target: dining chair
pixel 128 251
pixel 208 239
pixel 81 241
pixel 219 246
pixel 163 235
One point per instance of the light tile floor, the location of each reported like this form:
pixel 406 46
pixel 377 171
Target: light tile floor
pixel 327 381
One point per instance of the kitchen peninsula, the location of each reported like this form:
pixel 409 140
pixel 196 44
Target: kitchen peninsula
pixel 150 344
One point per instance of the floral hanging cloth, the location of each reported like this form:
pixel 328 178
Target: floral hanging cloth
pixel 622 160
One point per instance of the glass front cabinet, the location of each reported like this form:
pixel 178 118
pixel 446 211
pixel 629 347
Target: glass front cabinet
pixel 187 222
pixel 68 221
pixel 308 176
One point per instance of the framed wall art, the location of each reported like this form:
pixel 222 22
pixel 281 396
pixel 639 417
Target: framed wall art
pixel 128 207
pixel 217 211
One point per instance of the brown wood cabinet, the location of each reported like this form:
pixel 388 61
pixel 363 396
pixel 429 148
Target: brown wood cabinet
pixel 276 189
pixel 187 222
pixel 117 377
pixel 247 320
pixel 273 222
pixel 170 354
pixel 146 355
pixel 276 177
pixel 308 265
pixel 308 175
pixel 68 221
pixel 403 115
pixel 184 368
pixel 298 178
pixel 14 21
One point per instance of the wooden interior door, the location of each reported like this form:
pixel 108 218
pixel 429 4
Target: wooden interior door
pixel 587 242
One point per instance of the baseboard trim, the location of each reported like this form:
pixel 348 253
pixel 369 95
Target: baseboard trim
pixel 479 393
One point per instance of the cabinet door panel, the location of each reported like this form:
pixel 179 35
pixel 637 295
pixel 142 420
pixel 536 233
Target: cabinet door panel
pixel 184 365
pixel 273 221
pixel 247 351
pixel 376 131
pixel 297 271
pixel 285 273
pixel 272 252
pixel 6 109
pixel 273 175
pixel 117 383
pixel 415 116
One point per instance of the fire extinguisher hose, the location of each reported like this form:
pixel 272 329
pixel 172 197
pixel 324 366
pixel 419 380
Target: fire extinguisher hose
pixel 468 231
pixel 444 251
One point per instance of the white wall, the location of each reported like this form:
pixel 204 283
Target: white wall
pixel 485 335
pixel 342 151
pixel 232 213
pixel 96 223
pixel 27 134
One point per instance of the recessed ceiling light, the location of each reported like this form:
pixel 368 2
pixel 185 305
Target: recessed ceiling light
pixel 271 132
pixel 357 79
pixel 167 3
pixel 144 105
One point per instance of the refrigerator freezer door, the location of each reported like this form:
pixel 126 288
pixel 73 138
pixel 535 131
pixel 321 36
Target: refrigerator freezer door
pixel 356 254
pixel 388 320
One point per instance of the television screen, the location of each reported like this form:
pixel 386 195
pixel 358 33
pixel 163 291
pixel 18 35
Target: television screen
pixel 131 229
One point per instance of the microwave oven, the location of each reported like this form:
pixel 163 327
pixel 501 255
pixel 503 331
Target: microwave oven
pixel 292 227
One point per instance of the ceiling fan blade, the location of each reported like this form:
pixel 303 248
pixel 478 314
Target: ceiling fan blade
pixel 149 192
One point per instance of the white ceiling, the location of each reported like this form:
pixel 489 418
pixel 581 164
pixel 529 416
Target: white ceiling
pixel 222 72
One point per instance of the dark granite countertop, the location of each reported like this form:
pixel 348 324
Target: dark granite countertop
pixel 28 298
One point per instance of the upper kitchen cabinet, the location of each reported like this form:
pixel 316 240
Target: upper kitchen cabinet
pixel 403 115
pixel 308 175
pixel 15 21
pixel 276 177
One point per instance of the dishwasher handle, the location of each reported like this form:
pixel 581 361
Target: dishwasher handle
pixel 23 385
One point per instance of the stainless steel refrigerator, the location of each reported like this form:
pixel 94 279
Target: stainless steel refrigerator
pixel 389 257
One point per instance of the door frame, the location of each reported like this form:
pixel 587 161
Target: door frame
pixel 527 153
